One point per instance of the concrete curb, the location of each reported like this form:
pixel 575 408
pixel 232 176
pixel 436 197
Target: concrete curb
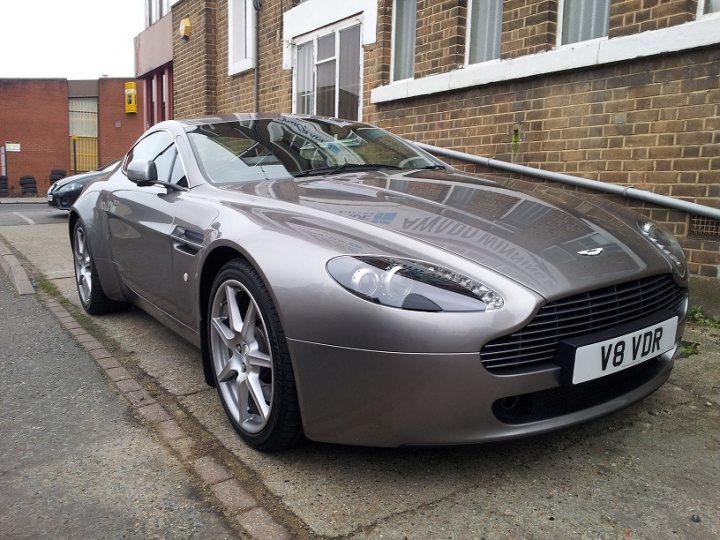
pixel 23 200
pixel 15 271
pixel 241 509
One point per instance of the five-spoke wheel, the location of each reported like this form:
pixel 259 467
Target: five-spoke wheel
pixel 250 362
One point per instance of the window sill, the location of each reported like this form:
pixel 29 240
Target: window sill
pixel 237 68
pixel 597 52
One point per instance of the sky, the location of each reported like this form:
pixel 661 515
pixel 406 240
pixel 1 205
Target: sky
pixel 69 39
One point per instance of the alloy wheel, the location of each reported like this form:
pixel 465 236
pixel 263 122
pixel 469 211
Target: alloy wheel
pixel 83 266
pixel 241 356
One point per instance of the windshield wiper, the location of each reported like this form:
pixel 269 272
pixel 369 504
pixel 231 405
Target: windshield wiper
pixel 344 167
pixel 436 166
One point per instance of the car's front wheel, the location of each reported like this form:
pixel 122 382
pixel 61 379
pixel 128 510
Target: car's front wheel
pixel 250 360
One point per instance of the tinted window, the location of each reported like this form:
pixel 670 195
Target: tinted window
pixel 157 147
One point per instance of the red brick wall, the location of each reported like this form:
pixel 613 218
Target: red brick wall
pixel 115 140
pixel 195 61
pixel 35 114
pixel 439 40
pixel 633 16
pixel 529 26
pixel 236 92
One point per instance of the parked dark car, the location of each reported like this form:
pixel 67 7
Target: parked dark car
pixel 63 193
pixel 345 285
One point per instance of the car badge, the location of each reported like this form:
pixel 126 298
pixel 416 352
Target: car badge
pixel 591 252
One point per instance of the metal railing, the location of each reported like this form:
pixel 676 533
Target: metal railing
pixel 628 192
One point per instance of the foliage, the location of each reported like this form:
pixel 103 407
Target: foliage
pixel 696 315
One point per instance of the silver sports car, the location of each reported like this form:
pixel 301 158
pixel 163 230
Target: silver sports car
pixel 346 286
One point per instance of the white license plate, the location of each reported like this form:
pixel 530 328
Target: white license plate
pixel 50 197
pixel 612 355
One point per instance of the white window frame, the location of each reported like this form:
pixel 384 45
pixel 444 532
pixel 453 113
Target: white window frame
pixel 393 49
pixel 701 11
pixel 315 14
pixel 156 10
pixel 313 37
pixel 468 33
pixel 560 21
pixel 238 65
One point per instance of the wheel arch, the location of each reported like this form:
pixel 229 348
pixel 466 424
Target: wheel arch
pixel 212 264
pixel 73 218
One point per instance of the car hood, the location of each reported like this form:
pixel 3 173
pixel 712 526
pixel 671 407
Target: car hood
pixel 82 179
pixel 552 241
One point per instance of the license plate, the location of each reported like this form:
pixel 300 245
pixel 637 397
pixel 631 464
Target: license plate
pixel 50 197
pixel 612 355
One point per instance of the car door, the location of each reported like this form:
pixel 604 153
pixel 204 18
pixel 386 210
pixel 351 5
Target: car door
pixel 140 223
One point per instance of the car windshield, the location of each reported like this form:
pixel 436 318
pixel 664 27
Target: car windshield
pixel 252 150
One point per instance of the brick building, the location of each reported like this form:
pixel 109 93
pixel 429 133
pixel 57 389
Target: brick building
pixel 43 115
pixel 623 91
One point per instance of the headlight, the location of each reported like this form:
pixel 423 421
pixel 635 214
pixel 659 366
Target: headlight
pixel 412 285
pixel 71 187
pixel 665 242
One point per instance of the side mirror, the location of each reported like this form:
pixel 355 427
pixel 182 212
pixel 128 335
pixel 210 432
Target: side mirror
pixel 142 172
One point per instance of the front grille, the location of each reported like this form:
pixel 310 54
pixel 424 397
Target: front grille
pixel 535 346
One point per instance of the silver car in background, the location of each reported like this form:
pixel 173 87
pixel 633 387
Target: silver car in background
pixel 343 285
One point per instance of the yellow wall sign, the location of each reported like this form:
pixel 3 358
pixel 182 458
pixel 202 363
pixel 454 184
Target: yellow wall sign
pixel 130 98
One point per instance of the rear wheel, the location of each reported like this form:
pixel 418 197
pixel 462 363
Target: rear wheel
pixel 92 296
pixel 250 361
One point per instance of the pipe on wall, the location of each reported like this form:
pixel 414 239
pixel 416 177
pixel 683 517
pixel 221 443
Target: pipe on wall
pixel 257 4
pixel 628 192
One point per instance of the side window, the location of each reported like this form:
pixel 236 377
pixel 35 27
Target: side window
pixel 241 36
pixel 403 39
pixel 583 19
pixel 484 28
pixel 157 147
pixel 178 175
pixel 164 163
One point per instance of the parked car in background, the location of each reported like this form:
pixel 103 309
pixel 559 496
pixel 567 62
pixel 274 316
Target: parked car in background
pixel 64 192
pixel 345 285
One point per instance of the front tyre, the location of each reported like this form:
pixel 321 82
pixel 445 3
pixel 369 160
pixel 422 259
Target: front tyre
pixel 250 361
pixel 92 296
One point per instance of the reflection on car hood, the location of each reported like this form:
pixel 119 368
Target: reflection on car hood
pixel 541 237
pixel 80 179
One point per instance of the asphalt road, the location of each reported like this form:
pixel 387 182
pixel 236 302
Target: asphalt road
pixel 30 214
pixel 650 471
pixel 74 463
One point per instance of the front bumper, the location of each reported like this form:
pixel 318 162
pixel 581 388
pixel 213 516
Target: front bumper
pixel 62 201
pixel 361 397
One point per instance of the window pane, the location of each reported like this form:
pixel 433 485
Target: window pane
pixel 404 39
pixel 485 28
pixel 326 89
pixel 349 100
pixel 304 79
pixel 164 163
pixel 150 148
pixel 326 47
pixel 83 117
pixel 239 30
pixel 584 19
pixel 711 6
